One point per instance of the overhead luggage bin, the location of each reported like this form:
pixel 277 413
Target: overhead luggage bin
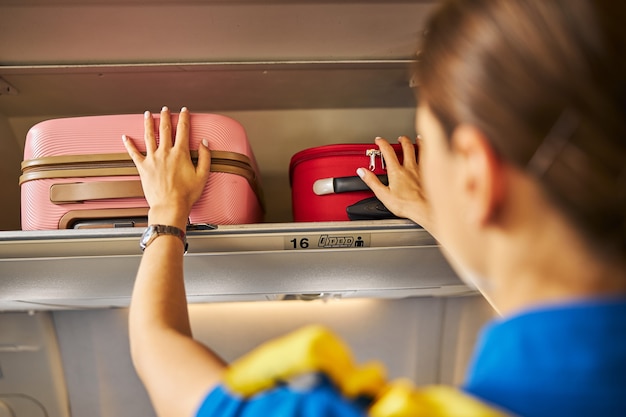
pixel 95 268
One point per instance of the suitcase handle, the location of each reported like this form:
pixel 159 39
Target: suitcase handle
pixel 221 161
pixel 69 219
pixel 343 185
pixel 79 192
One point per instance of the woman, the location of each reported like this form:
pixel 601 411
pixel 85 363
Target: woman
pixel 522 118
pixel 522 109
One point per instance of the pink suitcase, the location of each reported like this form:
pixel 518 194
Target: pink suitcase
pixel 324 185
pixel 77 170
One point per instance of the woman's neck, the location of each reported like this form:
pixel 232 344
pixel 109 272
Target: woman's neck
pixel 536 257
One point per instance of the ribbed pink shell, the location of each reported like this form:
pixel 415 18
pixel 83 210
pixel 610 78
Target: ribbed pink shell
pixel 227 198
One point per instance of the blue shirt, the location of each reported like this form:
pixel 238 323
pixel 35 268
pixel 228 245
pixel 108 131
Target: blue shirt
pixel 321 399
pixel 567 360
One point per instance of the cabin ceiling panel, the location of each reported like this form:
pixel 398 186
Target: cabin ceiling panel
pixel 138 32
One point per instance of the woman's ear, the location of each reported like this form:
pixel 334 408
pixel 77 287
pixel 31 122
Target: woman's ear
pixel 480 174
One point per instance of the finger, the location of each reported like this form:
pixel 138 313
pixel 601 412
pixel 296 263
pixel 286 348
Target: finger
pixel 148 132
pixel 132 150
pixel 204 161
pixel 165 129
pixel 419 142
pixel 182 131
pixel 408 152
pixel 389 154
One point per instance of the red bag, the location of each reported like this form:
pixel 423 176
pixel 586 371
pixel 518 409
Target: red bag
pixel 77 170
pixel 324 182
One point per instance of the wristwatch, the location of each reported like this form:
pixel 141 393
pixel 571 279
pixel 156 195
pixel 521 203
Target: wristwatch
pixel 155 230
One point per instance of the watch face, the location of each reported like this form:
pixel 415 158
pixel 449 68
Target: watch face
pixel 147 236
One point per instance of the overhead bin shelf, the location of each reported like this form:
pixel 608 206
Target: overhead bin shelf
pixel 206 86
pixel 96 268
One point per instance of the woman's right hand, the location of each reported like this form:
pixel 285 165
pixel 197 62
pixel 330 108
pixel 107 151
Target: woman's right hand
pixel 404 195
pixel 170 181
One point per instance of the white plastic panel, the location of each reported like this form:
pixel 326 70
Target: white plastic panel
pixel 427 340
pixel 97 268
pixel 32 383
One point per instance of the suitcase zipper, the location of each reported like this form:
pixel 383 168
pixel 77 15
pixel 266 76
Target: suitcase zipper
pixel 82 166
pixel 41 168
pixel 373 153
pixel 356 151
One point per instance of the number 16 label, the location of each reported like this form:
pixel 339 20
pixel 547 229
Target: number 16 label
pixel 327 241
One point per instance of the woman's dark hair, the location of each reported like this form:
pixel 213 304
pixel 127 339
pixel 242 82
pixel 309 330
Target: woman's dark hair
pixel 545 81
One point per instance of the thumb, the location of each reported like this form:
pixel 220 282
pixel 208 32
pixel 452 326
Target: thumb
pixel 134 154
pixel 372 181
pixel 204 161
